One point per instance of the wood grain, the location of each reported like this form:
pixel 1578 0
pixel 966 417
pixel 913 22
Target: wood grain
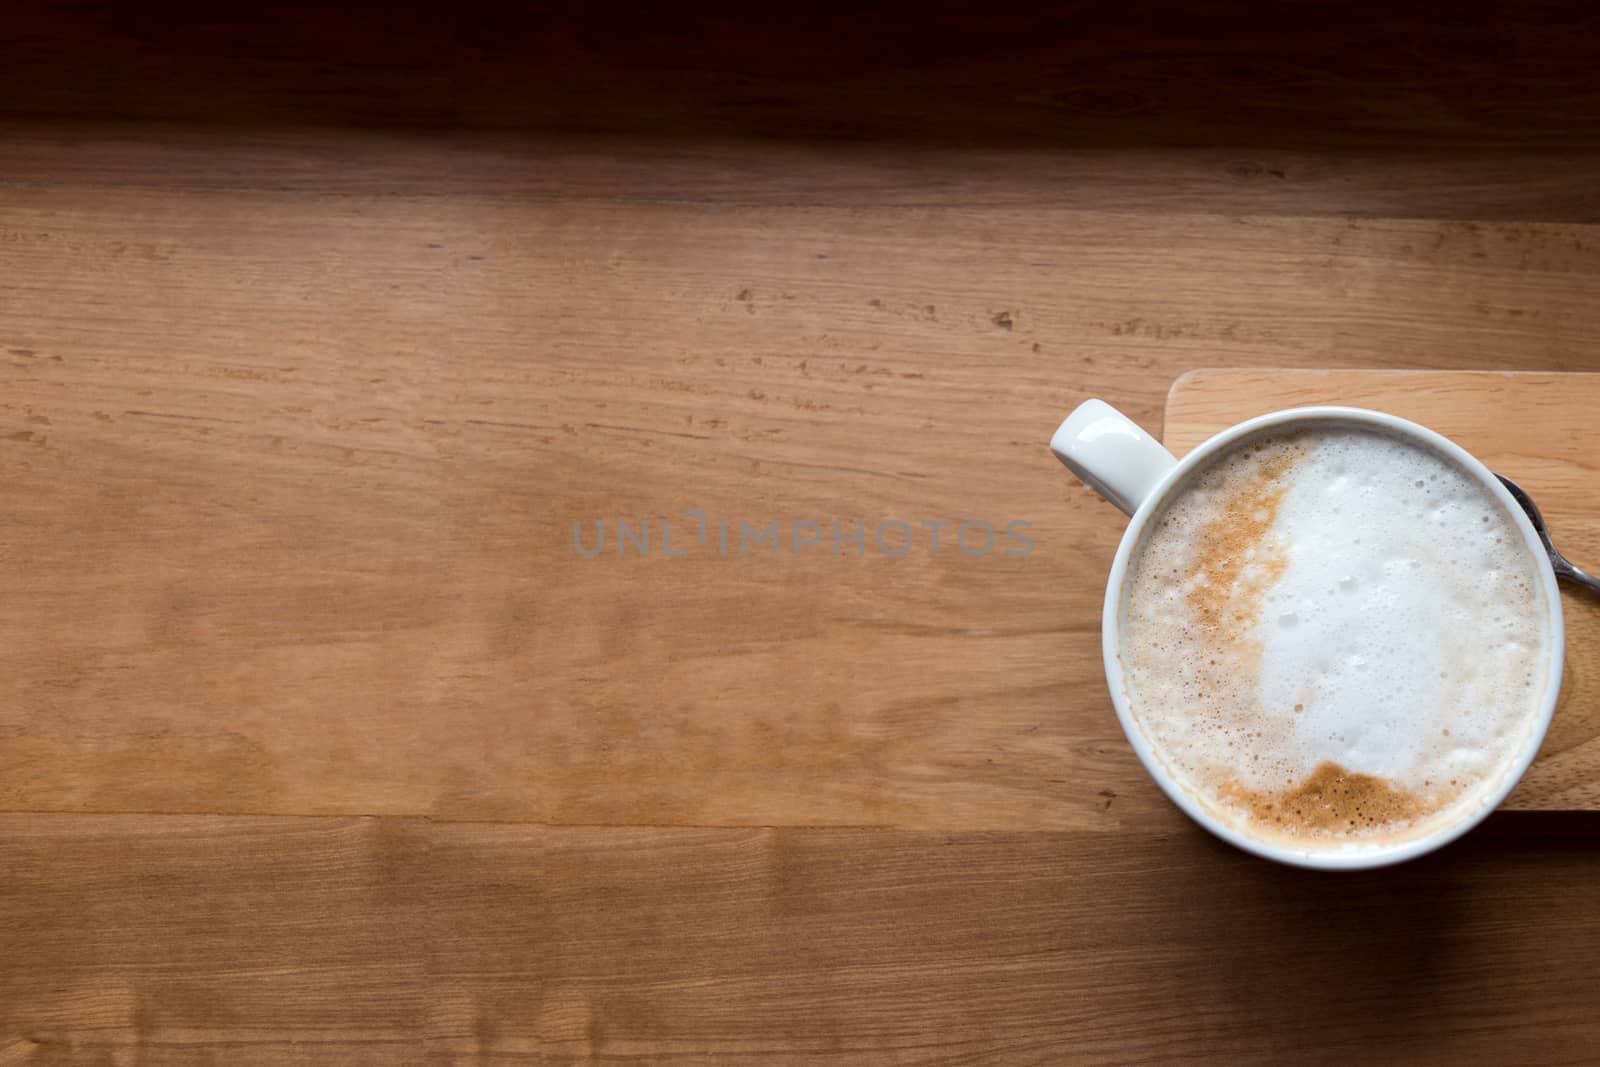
pixel 1537 429
pixel 129 939
pixel 288 487
pixel 786 947
pixel 208 940
pixel 1253 180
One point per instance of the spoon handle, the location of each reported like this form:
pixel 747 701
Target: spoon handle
pixel 1577 575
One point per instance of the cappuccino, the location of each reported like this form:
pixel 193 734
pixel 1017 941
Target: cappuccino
pixel 1334 637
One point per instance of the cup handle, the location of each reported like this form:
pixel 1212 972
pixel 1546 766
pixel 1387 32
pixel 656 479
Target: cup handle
pixel 1111 454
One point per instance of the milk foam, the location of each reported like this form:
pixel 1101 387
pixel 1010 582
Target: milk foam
pixel 1335 635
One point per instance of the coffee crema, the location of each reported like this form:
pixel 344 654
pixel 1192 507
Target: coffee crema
pixel 1334 636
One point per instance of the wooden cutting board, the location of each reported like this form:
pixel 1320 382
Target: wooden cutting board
pixel 1542 430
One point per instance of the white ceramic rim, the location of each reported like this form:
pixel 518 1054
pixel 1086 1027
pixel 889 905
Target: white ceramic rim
pixel 1354 857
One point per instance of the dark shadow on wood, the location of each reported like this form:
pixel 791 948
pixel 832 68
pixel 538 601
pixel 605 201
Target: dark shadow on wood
pixel 1328 75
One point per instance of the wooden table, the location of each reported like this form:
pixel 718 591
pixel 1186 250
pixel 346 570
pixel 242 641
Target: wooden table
pixel 322 742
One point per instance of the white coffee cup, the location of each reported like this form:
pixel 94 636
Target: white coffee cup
pixel 1133 471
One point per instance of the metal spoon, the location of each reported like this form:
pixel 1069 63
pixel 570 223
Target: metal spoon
pixel 1564 567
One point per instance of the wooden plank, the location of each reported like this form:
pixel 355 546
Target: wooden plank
pixel 1535 428
pixel 1417 183
pixel 288 485
pixel 202 940
pixel 189 940
pixel 581 945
